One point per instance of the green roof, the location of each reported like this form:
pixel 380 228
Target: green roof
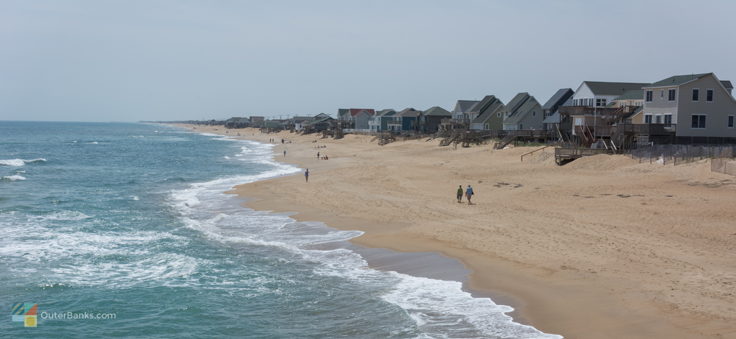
pixel 613 88
pixel 677 80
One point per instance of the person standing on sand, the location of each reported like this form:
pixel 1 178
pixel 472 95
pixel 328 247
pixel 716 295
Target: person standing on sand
pixel 284 153
pixel 460 194
pixel 306 175
pixel 317 155
pixel 469 194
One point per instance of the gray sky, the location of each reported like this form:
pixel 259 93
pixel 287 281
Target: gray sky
pixel 167 60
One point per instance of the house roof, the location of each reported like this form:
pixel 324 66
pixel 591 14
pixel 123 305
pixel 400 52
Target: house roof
pixel 356 111
pixel 318 120
pixel 464 106
pixel 523 106
pixel 677 80
pixel 513 106
pixel 408 112
pixel 493 104
pixel 558 98
pixel 484 104
pixel 726 84
pixel 437 111
pixel 634 94
pixel 385 111
pixel 613 88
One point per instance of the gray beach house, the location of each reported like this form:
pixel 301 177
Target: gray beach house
pixel 696 105
pixel 488 114
pixel 523 112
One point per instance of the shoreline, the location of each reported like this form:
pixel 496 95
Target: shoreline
pixel 570 299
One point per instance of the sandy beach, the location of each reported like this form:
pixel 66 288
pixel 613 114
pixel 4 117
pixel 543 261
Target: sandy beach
pixel 604 247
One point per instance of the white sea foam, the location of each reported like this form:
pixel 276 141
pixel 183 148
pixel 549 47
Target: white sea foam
pixel 19 162
pixel 71 255
pixel 15 177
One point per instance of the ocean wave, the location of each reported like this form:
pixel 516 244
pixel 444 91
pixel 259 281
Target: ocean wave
pixel 19 162
pixel 15 177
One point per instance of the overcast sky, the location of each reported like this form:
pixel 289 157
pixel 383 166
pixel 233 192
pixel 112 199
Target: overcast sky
pixel 175 60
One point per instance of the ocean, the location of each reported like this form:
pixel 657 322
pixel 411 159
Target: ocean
pixel 124 230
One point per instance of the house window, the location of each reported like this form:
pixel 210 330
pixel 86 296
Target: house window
pixel 600 102
pixel 668 119
pixel 649 96
pixel 647 118
pixel 661 94
pixel 658 119
pixel 498 114
pixel 696 94
pixel 534 114
pixel 709 95
pixel 698 121
pixel 730 121
pixel 671 95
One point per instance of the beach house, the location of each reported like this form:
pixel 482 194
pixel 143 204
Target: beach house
pixel 488 114
pixel 379 121
pixel 523 112
pixel 297 122
pixel 404 121
pixel 347 117
pixel 361 120
pixel 462 110
pixel 321 122
pixel 550 109
pixel 591 113
pixel 432 118
pixel 256 121
pixel 697 107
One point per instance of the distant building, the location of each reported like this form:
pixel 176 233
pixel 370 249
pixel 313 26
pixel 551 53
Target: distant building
pixel 379 122
pixel 431 119
pixel 550 109
pixel 488 114
pixel 523 112
pixel 257 121
pixel 462 110
pixel 405 121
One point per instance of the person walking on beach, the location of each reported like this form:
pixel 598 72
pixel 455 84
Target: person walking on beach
pixel 284 153
pixel 317 155
pixel 460 194
pixel 306 175
pixel 469 194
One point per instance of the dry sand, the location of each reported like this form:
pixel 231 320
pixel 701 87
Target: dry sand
pixel 604 247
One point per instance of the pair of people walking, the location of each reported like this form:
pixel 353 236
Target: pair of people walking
pixel 468 194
